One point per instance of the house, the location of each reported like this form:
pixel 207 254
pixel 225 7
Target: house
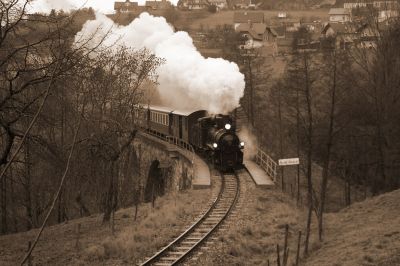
pixel 240 17
pixel 384 15
pixel 339 15
pixel 125 7
pixel 158 5
pixel 255 33
pixel 240 4
pixel 352 4
pixel 220 4
pixel 344 35
pixel 193 4
pixel 282 15
pixel 386 5
pixel 367 35
pixel 292 24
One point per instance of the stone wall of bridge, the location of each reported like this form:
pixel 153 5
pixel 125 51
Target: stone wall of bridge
pixel 175 170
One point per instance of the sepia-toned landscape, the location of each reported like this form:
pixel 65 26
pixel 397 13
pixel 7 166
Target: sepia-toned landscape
pixel 200 132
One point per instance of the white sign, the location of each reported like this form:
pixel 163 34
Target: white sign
pixel 289 161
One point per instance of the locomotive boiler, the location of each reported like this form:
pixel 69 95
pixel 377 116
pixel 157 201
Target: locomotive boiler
pixel 214 137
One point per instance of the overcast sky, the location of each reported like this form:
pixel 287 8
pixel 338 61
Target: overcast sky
pixel 104 6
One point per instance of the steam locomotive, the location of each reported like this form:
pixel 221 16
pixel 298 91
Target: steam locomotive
pixel 213 137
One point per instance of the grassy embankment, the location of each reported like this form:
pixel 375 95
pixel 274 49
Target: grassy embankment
pixel 366 233
pixel 132 240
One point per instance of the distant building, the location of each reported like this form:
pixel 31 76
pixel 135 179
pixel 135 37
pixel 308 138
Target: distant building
pixel 344 34
pixel 368 36
pixel 240 17
pixel 291 25
pixel 384 15
pixel 386 5
pixel 339 15
pixel 352 4
pixel 125 7
pixel 240 4
pixel 193 4
pixel 282 15
pixel 256 34
pixel 220 4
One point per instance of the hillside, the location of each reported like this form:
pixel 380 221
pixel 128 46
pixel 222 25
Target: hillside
pixel 96 245
pixel 366 233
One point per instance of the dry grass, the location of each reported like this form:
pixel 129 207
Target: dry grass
pixel 252 238
pixel 366 233
pixel 133 240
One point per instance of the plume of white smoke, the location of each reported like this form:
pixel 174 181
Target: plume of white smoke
pixel 250 143
pixel 186 79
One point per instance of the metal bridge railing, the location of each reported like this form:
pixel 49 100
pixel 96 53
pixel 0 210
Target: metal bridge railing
pixel 187 148
pixel 267 163
pixel 182 144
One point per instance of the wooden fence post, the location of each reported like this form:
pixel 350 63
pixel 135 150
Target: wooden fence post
pixel 30 256
pixel 78 233
pixel 285 244
pixel 298 249
pixel 278 259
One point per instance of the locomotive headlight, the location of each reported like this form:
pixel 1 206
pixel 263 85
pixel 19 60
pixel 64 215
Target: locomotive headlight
pixel 227 126
pixel 242 144
pixel 215 145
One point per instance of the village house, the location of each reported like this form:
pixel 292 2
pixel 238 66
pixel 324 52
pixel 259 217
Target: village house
pixel 367 35
pixel 125 7
pixel 291 24
pixel 386 9
pixel 278 40
pixel 354 4
pixel 339 15
pixel 241 17
pixel 384 15
pixel 193 4
pixel 240 4
pixel 344 35
pixel 220 4
pixel 255 33
pixel 282 15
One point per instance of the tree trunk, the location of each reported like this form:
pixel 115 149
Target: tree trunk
pixel 325 172
pixel 3 206
pixel 281 139
pixel 310 149
pixel 298 143
pixel 28 188
pixel 108 207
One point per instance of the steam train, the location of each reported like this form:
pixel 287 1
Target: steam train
pixel 213 137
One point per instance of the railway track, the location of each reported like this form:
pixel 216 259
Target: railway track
pixel 193 238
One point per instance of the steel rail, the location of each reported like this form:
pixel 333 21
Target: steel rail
pixel 202 239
